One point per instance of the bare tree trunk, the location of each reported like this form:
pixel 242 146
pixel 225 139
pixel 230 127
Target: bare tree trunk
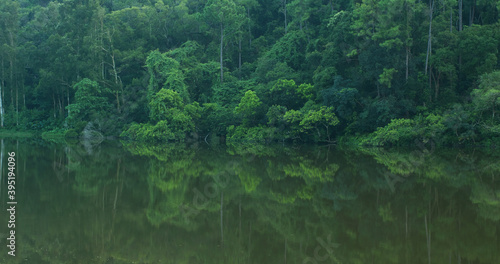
pixel 460 4
pixel 17 104
pixel 472 10
pixel 1 107
pixel 54 103
pixel 3 80
pixel 249 28
pixel 239 58
pixel 1 166
pixel 284 11
pixel 11 82
pixel 115 72
pixel 24 97
pixel 67 97
pixel 407 62
pixel 221 50
pixel 60 105
pixel 430 84
pixel 451 20
pixel 436 87
pixel 429 42
pixel 407 38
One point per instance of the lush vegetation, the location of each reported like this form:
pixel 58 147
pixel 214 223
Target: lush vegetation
pixel 382 72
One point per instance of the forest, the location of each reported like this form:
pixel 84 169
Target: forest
pixel 360 72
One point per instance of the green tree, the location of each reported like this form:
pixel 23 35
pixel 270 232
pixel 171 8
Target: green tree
pixel 323 118
pixel 90 104
pixel 249 108
pixel 226 17
pixel 487 96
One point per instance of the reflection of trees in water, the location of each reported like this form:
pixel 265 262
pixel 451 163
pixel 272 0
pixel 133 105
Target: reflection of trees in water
pixel 153 203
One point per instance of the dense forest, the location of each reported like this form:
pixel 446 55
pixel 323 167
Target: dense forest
pixel 354 71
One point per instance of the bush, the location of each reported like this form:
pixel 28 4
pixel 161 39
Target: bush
pixel 404 131
pixel 258 134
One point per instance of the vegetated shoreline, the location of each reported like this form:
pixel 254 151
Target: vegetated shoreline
pixel 321 72
pixel 346 141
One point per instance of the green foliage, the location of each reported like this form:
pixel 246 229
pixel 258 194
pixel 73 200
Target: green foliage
pixel 479 48
pixel 257 134
pixel 216 119
pixel 386 77
pixel 248 108
pixel 286 93
pixel 487 96
pixel 190 65
pixel 324 118
pixel 405 131
pixel 165 73
pixel 163 103
pixel 275 115
pixel 90 103
pixel 345 100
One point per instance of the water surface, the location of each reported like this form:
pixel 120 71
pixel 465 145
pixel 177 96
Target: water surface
pixel 118 202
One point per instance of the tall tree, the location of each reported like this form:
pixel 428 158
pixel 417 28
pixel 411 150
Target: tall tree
pixel 227 16
pixel 9 30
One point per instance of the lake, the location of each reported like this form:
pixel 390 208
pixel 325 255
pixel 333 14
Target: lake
pixel 119 202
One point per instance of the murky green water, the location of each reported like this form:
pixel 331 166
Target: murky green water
pixel 114 203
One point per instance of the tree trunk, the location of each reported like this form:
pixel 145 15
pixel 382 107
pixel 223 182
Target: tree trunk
pixel 115 72
pixel 11 82
pixel 221 49
pixel 436 86
pixel 54 104
pixel 284 11
pixel 429 42
pixel 473 12
pixel 1 107
pixel 430 85
pixel 239 58
pixel 17 105
pixel 460 4
pixel 1 166
pixel 407 42
pixel 451 20
pixel 67 97
pixel 60 106
pixel 407 61
pixel 470 16
pixel 249 28
pixel 3 80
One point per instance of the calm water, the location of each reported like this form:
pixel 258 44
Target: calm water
pixel 125 203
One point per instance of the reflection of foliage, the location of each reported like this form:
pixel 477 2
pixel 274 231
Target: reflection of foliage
pixel 311 172
pixel 395 162
pixel 249 180
pixel 386 213
pixel 488 201
pixel 275 193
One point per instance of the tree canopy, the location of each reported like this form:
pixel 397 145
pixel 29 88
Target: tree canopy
pixel 365 63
